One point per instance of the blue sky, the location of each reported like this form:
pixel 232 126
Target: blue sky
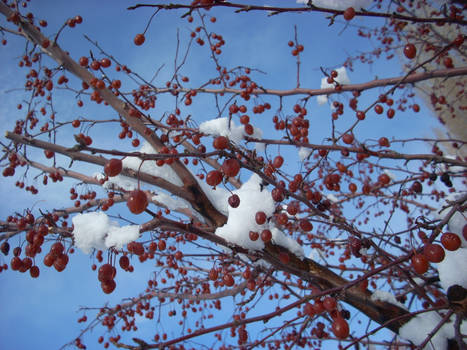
pixel 42 313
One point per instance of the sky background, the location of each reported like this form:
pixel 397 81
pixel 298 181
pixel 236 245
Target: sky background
pixel 42 313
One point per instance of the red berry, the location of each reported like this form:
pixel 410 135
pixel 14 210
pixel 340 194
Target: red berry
pixel 384 179
pixel 305 225
pixel 136 248
pixel 49 154
pixel 228 280
pixel 260 217
pixel 348 138
pixel 34 271
pixel 420 263
pixel 83 61
pixel 318 307
pixel 349 13
pixel 57 249
pixel 234 201
pixel 249 129
pixel 434 252
pixel 137 201
pixel 113 167
pixel 254 235
pixel 277 194
pixel 308 310
pixel 266 236
pixel 230 167
pixel 213 274
pixel 5 248
pixel 417 187
pixel 105 273
pixel 448 62
pixel 329 303
pixel 340 328
pixel 410 51
pixel 214 178
pixel 220 142
pixel 139 39
pixel 124 262
pixel 278 161
pixel 105 62
pixel 292 208
pixel 450 241
pixel 383 141
pixel 108 286
pixel 61 262
pixel 16 263
pixel 49 260
pixel 95 65
pixel 379 109
pixel 161 245
pixel 244 119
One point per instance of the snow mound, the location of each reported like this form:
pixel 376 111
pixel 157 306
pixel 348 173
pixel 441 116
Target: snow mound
pixel 96 231
pixel 241 220
pixel 228 128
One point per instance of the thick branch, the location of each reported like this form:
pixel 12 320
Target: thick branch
pixel 408 79
pixel 389 154
pixel 277 9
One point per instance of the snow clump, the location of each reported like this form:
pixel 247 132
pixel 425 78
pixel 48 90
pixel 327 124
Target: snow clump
pixel 96 231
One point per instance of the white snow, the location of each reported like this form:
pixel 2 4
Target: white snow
pixel 342 78
pixel 96 231
pixel 452 269
pixel 339 4
pixel 117 236
pixel 303 152
pixel 149 166
pixel 118 182
pixel 387 297
pixel 322 99
pixel 241 220
pixel 418 328
pixel 222 127
pixel 332 198
pixel 90 230
pixel 288 242
pixel 172 203
pixel 175 203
